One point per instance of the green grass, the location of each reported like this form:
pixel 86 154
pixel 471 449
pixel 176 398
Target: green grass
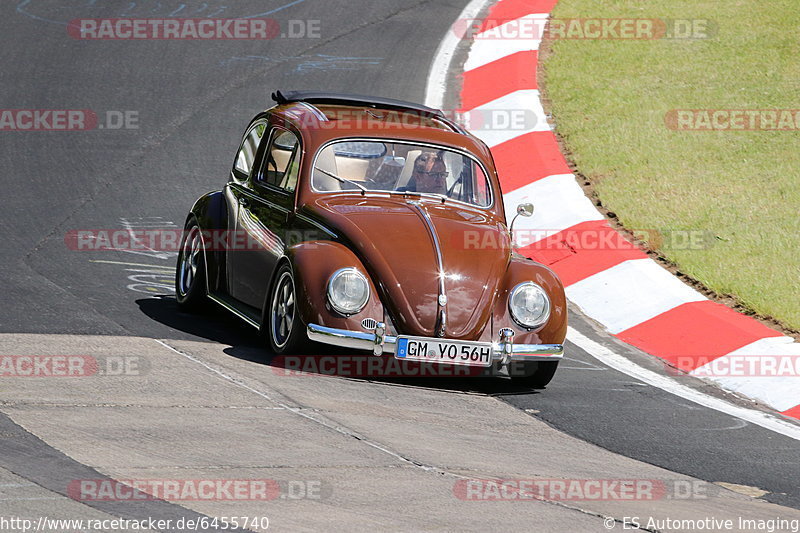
pixel 609 100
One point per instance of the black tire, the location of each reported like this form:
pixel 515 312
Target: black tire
pixel 535 375
pixel 282 323
pixel 190 271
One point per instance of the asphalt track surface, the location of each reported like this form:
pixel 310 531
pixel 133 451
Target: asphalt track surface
pixel 192 100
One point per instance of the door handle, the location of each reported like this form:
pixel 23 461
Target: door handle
pixel 244 202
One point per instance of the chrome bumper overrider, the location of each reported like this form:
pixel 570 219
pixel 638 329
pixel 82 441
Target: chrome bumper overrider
pixel 379 343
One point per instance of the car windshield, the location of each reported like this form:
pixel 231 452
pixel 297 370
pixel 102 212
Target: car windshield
pixel 390 166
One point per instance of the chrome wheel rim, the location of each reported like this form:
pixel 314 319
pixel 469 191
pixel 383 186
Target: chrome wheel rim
pixel 283 310
pixel 190 257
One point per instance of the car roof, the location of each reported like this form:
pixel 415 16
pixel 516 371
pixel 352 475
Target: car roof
pixel 317 97
pixel 322 117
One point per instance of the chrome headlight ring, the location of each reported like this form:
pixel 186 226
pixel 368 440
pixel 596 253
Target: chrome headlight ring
pixel 529 305
pixel 348 291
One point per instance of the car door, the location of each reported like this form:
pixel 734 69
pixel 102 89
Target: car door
pixel 236 192
pixel 265 211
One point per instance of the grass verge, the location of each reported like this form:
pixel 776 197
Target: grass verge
pixel 735 193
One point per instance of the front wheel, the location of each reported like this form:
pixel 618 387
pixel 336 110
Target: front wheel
pixel 190 274
pixel 534 374
pixel 284 327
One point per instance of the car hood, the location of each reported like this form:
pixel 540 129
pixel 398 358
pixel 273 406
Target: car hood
pixel 393 240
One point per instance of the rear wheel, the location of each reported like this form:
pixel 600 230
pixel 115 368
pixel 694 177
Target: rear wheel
pixel 535 374
pixel 190 274
pixel 284 328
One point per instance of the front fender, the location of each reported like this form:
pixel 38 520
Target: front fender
pixel 313 263
pixel 519 271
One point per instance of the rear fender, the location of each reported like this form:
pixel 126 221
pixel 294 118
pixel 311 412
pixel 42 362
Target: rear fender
pixel 211 213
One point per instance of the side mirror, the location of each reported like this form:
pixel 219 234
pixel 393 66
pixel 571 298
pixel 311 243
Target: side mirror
pixel 523 210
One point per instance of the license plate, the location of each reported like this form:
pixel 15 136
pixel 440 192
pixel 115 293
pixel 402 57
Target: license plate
pixel 444 351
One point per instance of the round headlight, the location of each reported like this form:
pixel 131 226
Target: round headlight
pixel 529 305
pixel 348 291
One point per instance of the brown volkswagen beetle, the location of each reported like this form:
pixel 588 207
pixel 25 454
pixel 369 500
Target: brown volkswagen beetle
pixel 376 225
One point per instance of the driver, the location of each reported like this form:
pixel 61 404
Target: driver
pixel 429 175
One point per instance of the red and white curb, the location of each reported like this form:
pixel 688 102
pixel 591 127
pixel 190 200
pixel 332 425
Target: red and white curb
pixel 636 299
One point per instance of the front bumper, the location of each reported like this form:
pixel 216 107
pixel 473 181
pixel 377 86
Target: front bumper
pixel 379 343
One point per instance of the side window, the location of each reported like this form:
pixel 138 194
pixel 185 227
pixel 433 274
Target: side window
pixel 282 160
pixel 247 152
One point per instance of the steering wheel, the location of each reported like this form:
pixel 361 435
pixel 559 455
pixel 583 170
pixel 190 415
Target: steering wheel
pixel 454 185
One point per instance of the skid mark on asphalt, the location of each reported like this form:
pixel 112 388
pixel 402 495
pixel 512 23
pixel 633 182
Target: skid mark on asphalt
pixel 271 11
pixel 738 424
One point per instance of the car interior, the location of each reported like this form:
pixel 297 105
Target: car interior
pixel 385 166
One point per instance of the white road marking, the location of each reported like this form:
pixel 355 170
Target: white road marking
pixel 622 364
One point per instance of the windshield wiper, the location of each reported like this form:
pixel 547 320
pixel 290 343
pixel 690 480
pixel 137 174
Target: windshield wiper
pixel 438 196
pixel 343 180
